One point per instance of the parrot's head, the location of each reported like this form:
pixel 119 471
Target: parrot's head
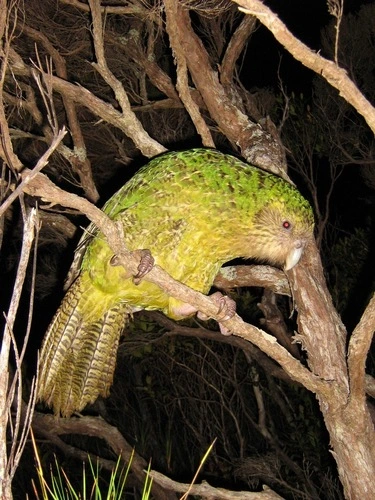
pixel 281 231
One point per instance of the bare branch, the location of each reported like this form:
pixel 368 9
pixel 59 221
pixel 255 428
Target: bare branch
pixel 334 75
pixel 19 439
pixel 257 146
pixel 43 161
pixel 235 48
pixel 78 157
pixel 336 8
pixel 6 147
pixel 133 127
pixel 130 45
pixel 9 462
pixel 262 276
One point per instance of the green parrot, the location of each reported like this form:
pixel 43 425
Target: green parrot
pixel 193 210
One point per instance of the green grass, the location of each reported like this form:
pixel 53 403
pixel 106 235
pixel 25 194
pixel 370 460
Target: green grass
pixel 59 487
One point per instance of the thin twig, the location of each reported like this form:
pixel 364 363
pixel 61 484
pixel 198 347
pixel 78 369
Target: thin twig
pixel 8 341
pixel 43 161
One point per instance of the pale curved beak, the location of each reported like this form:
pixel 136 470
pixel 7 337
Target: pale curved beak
pixel 294 256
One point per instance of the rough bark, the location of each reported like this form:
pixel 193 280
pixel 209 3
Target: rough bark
pixel 323 336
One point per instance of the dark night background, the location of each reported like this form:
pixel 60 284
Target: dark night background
pixel 348 265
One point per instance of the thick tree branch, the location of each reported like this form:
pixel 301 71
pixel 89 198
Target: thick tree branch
pixel 321 331
pixel 323 335
pixel 205 490
pixel 256 145
pixel 261 276
pixel 235 48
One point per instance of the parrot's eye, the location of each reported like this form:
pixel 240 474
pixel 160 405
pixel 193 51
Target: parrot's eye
pixel 286 224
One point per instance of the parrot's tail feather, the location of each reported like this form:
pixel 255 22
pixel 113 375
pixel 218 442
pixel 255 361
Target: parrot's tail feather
pixel 98 357
pixel 78 357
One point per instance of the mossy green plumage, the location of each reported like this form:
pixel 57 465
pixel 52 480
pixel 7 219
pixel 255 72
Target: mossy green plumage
pixel 194 210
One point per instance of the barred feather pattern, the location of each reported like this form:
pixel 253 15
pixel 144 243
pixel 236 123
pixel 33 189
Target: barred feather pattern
pixel 78 358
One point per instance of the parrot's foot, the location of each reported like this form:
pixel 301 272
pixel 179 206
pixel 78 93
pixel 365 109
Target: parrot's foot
pixel 227 309
pixel 146 263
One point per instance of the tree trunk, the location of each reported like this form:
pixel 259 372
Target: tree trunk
pixel 345 413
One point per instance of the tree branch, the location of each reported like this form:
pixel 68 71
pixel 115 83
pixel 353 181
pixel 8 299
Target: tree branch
pixel 334 75
pixel 359 346
pixel 77 156
pixel 134 128
pixel 256 145
pixel 259 276
pixel 205 490
pixel 235 48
